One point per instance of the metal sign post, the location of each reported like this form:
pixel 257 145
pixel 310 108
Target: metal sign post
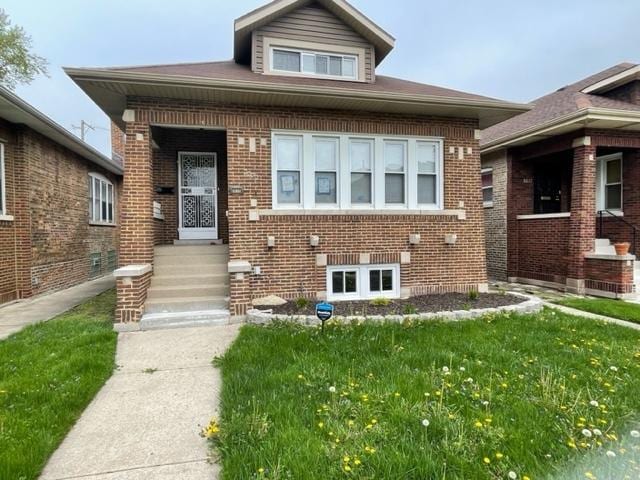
pixel 324 311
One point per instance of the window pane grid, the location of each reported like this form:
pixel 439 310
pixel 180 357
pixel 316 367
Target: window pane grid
pixel 101 200
pixel 314 63
pixel 613 184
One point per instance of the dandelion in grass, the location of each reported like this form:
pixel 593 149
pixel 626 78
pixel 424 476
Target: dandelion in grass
pixel 512 475
pixel 597 432
pixel 635 433
pixel 611 454
pixel 613 369
pixel 586 433
pixel 332 389
pixel 425 422
pixel 593 403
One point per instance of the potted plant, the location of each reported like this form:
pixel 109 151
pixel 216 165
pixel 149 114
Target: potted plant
pixel 622 248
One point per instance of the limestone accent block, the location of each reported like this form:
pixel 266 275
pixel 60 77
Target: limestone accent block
pixel 365 258
pixel 405 258
pixel 321 260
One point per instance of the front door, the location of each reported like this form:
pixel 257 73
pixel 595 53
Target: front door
pixel 198 196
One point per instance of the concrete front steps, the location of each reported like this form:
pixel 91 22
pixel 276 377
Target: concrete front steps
pixel 189 287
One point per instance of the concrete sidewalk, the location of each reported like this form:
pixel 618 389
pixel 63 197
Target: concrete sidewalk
pixel 17 315
pixel 145 422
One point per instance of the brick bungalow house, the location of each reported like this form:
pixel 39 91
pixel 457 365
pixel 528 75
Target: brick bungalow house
pixel 58 219
pixel 319 177
pixel 561 183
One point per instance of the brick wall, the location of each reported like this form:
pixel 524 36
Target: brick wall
pixel 9 285
pixel 292 263
pixel 613 276
pixel 495 217
pixel 165 174
pixel 542 249
pixel 117 141
pixel 49 198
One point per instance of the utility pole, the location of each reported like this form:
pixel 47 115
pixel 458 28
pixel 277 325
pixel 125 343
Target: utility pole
pixel 84 126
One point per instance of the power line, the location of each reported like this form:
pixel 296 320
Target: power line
pixel 84 127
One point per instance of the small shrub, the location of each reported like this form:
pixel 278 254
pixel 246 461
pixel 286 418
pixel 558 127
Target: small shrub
pixel 409 309
pixel 473 295
pixel 380 302
pixel 302 303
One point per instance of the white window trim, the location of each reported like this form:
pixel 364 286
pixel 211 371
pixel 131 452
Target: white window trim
pixel 307 173
pixel 96 176
pixel 3 185
pixel 601 187
pixel 483 171
pixel 303 52
pixel 362 282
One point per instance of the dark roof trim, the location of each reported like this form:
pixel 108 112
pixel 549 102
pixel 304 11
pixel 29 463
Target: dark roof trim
pixel 16 110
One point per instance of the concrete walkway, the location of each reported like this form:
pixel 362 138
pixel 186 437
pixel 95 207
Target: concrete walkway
pixel 145 422
pixel 17 315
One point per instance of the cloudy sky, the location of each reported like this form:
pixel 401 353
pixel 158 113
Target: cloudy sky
pixel 515 50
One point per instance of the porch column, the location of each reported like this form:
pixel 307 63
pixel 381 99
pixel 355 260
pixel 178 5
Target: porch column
pixel 136 222
pixel 582 224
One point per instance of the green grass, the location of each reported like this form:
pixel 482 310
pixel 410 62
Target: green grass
pixel 604 306
pixel 49 372
pixel 502 394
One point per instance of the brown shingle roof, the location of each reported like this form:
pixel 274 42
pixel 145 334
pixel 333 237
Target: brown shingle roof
pixel 229 70
pixel 564 101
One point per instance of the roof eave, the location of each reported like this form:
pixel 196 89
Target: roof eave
pixel 579 118
pixel 44 125
pixel 80 75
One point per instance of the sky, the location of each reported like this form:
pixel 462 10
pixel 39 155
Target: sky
pixel 507 49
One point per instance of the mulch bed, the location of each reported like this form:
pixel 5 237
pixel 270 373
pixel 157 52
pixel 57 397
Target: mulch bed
pixel 419 304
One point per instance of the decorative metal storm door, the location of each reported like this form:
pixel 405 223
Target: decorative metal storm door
pixel 198 195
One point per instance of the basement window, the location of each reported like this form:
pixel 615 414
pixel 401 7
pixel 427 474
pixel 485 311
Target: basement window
pixel 101 200
pixel 360 282
pixel 95 264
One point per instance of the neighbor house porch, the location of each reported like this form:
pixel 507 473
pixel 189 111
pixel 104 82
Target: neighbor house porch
pixel 570 199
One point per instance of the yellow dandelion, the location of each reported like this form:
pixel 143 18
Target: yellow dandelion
pixel 486 460
pixel 499 455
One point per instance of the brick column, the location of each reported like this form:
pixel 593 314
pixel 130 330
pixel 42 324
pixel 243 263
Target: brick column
pixel 582 224
pixel 136 221
pixel 136 224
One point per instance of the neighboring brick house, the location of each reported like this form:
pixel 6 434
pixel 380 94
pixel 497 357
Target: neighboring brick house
pixel 562 183
pixel 48 241
pixel 326 180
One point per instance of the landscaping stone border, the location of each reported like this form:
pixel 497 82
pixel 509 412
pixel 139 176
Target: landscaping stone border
pixel 531 304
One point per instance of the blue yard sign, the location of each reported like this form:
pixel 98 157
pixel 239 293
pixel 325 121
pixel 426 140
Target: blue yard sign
pixel 324 311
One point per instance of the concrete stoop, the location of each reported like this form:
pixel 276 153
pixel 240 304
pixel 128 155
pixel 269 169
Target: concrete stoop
pixel 190 287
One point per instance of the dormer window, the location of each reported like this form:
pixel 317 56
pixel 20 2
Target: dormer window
pixel 316 64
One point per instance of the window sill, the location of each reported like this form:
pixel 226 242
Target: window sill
pixel 487 204
pixel 6 218
pixel 612 213
pixel 542 216
pixel 461 214
pixel 99 224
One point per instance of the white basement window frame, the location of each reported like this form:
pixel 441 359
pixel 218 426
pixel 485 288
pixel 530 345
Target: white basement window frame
pixel 102 200
pixel 363 282
pixel 374 172
pixel 486 174
pixel 313 63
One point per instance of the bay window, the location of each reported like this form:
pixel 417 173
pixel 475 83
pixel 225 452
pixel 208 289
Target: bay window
pixel 332 171
pixel 101 200
pixel 395 154
pixel 326 160
pixel 361 161
pixel 288 155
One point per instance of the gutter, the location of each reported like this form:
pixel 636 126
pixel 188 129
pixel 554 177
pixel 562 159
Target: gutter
pixel 583 115
pixel 81 148
pixel 262 87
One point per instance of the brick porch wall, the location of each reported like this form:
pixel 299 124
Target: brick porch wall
pixel 290 266
pixel 543 249
pixel 613 276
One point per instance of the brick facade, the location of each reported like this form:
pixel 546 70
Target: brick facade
pixel 290 268
pixel 553 249
pixel 495 215
pixel 48 245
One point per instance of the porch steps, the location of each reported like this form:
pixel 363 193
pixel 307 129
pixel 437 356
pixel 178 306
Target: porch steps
pixel 190 287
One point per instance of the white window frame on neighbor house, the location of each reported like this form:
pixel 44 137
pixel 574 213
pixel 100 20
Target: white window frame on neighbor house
pixel 3 189
pixel 485 171
pixel 602 183
pixel 308 54
pixel 363 287
pixel 101 219
pixel 379 172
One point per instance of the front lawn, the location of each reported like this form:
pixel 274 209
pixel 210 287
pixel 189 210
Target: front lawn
pixel 605 306
pixel 506 397
pixel 49 373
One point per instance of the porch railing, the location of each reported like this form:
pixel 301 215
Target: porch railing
pixel 612 215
